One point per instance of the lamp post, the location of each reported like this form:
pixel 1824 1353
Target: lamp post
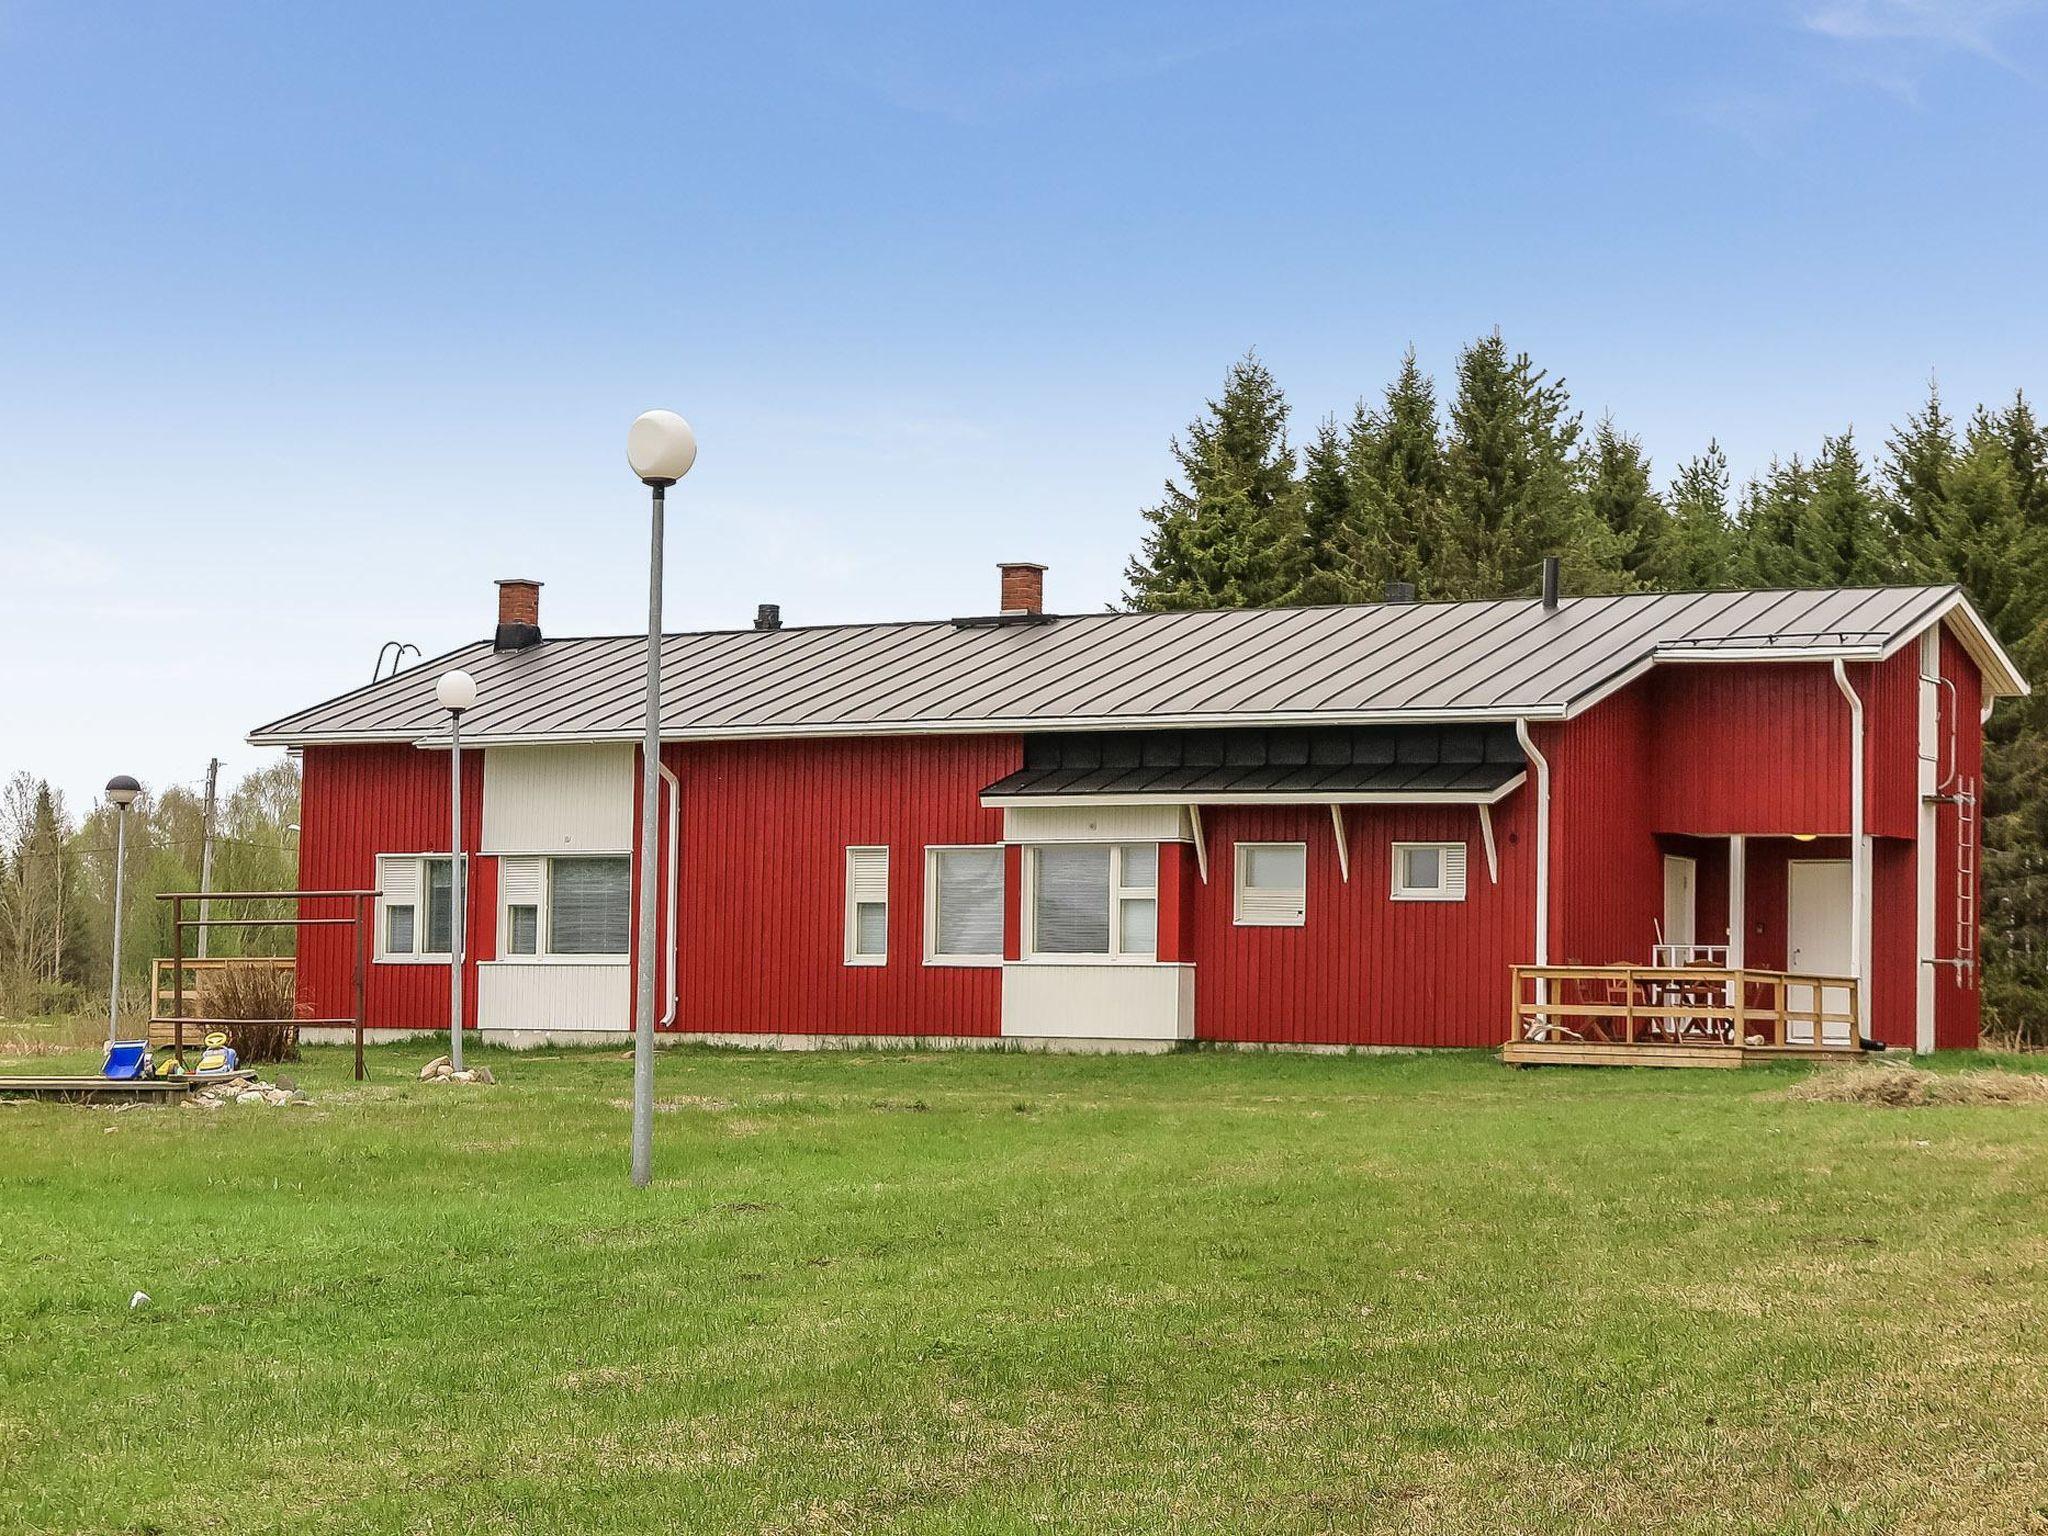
pixel 660 448
pixel 456 692
pixel 121 791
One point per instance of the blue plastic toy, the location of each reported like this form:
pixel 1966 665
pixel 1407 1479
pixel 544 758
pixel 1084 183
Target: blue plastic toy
pixel 127 1059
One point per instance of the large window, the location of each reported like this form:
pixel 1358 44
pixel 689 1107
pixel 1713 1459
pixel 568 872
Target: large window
pixel 574 908
pixel 963 906
pixel 589 906
pixel 867 906
pixel 1091 899
pixel 418 907
pixel 1271 885
pixel 1429 872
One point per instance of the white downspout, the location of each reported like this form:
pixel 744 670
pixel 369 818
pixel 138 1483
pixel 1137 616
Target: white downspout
pixel 1542 851
pixel 1859 855
pixel 675 948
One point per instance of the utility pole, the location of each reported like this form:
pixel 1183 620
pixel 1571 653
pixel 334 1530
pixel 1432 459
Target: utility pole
pixel 206 851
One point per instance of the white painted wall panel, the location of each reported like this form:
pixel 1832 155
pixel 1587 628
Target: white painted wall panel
pixel 1099 1002
pixel 1096 824
pixel 575 798
pixel 513 994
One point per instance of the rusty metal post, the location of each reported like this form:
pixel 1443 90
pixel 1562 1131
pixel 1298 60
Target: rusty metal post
pixel 357 1007
pixel 178 978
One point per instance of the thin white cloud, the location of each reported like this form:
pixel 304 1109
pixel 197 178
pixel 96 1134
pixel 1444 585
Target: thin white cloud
pixel 1966 26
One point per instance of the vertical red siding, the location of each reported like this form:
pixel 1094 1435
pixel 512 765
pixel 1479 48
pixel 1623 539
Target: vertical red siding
pixel 1606 870
pixel 1364 969
pixel 1891 748
pixel 1177 882
pixel 1763 747
pixel 766 826
pixel 1760 748
pixel 359 802
pixel 1958 1008
pixel 1894 955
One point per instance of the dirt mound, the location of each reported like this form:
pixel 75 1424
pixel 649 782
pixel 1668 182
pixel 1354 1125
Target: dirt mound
pixel 1904 1087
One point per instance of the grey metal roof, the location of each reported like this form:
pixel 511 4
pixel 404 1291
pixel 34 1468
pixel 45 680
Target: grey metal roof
pixel 1350 664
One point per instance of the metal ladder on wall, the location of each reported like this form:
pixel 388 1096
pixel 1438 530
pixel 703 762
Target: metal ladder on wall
pixel 1965 799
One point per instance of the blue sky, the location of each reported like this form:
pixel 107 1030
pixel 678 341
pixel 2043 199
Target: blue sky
pixel 318 318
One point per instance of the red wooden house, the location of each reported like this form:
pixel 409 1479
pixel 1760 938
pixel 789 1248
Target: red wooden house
pixel 1335 826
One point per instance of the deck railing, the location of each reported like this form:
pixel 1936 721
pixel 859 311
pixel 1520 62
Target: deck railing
pixel 1683 1005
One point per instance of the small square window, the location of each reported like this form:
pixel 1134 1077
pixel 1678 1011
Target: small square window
pixel 1429 872
pixel 1272 885
pixel 522 935
pixel 398 923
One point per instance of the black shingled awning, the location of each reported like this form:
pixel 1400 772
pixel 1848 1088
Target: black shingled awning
pixel 1476 762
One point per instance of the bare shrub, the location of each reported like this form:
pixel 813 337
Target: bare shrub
pixel 266 997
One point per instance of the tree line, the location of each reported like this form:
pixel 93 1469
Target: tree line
pixel 57 882
pixel 1463 497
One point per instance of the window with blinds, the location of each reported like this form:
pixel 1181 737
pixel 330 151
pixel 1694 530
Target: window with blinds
pixel 964 904
pixel 1090 899
pixel 589 906
pixel 867 906
pixel 1271 885
pixel 410 881
pixel 1429 872
pixel 1070 900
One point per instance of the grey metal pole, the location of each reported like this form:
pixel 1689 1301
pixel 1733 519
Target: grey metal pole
pixel 650 804
pixel 458 907
pixel 206 848
pixel 120 869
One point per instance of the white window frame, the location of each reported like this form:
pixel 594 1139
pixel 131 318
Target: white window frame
pixel 542 955
pixel 1238 866
pixel 1119 893
pixel 933 853
pixel 1451 864
pixel 854 902
pixel 381 953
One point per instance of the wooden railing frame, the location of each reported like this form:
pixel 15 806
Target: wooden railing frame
pixel 1539 1008
pixel 362 913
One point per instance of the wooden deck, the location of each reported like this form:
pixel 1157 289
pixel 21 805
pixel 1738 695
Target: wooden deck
pixel 1678 1016
pixel 1582 1053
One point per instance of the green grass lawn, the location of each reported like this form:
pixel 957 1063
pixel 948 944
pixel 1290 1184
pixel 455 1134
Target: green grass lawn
pixel 983 1292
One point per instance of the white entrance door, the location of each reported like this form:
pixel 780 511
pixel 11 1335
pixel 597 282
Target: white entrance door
pixel 1818 893
pixel 1681 905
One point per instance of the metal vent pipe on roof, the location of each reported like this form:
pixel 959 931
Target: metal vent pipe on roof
pixel 768 616
pixel 1550 581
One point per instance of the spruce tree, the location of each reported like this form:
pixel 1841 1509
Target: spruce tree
pixel 1512 494
pixel 1773 508
pixel 1920 457
pixel 1396 456
pixel 1618 492
pixel 1230 535
pixel 1334 562
pixel 1844 537
pixel 1697 551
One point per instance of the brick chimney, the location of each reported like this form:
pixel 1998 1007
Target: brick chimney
pixel 1023 587
pixel 518 614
